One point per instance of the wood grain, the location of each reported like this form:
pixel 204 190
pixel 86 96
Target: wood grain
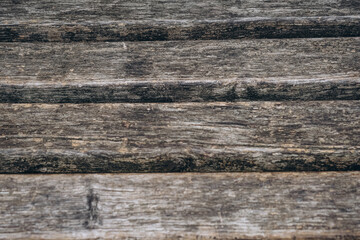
pixel 181 206
pixel 179 71
pixel 246 136
pixel 114 20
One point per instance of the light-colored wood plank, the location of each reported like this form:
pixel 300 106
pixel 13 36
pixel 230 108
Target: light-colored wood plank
pixel 181 206
pixel 244 136
pixel 179 71
pixel 112 20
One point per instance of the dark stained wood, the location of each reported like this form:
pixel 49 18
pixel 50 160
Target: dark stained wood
pixel 179 71
pixel 113 20
pixel 181 206
pixel 170 137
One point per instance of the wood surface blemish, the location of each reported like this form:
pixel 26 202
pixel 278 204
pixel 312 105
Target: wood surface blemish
pixel 93 217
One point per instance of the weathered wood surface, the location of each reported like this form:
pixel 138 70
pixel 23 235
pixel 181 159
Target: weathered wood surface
pixel 181 206
pixel 178 71
pixel 113 20
pixel 177 137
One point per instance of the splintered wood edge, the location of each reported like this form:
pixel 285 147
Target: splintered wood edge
pixel 185 206
pixel 181 71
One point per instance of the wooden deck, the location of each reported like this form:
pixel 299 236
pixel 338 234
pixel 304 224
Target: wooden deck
pixel 176 119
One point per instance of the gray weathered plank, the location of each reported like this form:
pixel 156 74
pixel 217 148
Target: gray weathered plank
pixel 178 71
pixel 181 206
pixel 169 137
pixel 113 20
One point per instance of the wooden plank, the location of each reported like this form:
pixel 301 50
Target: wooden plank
pixel 113 20
pixel 245 136
pixel 178 71
pixel 181 206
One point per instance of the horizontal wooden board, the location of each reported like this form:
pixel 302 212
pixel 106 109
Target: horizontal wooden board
pixel 181 206
pixel 174 137
pixel 113 20
pixel 179 71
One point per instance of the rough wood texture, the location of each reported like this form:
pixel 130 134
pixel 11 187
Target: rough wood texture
pixel 177 71
pixel 114 20
pixel 248 136
pixel 181 206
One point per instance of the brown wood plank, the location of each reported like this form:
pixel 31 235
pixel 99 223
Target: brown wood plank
pixel 112 20
pixel 181 71
pixel 244 136
pixel 181 206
